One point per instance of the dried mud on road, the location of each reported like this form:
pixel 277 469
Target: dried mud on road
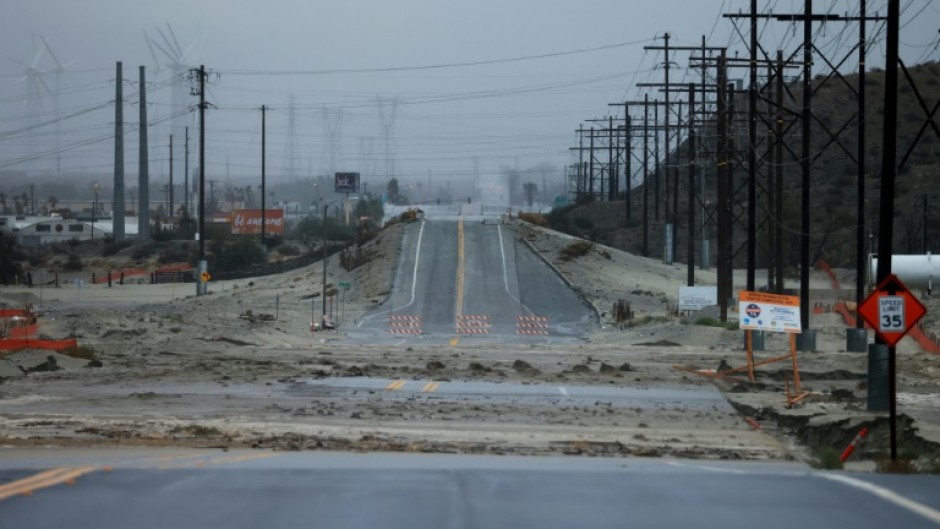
pixel 240 368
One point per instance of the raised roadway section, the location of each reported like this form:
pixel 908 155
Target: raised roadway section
pixel 462 279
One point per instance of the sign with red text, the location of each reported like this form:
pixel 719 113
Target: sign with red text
pixel 762 311
pixel 248 221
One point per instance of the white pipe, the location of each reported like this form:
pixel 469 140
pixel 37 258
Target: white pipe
pixel 915 271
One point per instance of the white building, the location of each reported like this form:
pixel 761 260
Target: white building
pixel 33 231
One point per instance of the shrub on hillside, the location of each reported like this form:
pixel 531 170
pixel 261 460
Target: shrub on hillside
pixel 534 218
pixel 575 250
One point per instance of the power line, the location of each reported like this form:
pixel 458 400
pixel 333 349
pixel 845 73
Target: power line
pixel 434 66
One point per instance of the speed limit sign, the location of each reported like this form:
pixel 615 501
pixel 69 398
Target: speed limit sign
pixel 891 314
pixel 891 310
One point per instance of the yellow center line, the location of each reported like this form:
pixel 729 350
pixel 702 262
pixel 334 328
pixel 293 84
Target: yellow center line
pixel 454 341
pixel 397 384
pixel 240 459
pixel 430 387
pixel 43 480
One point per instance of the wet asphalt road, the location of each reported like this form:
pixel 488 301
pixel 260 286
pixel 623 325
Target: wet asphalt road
pixel 466 280
pixel 144 488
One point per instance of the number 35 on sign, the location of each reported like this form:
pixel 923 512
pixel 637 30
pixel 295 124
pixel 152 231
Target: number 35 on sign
pixel 891 314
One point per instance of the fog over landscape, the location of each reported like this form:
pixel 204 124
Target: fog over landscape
pixel 438 94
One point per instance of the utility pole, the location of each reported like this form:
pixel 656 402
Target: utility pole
pixel 778 180
pixel 691 208
pixel 186 176
pixel 323 294
pixel 591 167
pixel 212 194
pixel 810 337
pixel 264 110
pixel 752 154
pixel 724 229
pixel 580 181
pixel 201 286
pixel 888 177
pixel 646 175
pixel 169 213
pixel 628 161
pixel 118 218
pixel 143 164
pixel 656 173
pixel 611 166
pixel 860 259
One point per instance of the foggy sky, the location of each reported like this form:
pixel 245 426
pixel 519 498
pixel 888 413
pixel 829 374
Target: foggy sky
pixel 504 114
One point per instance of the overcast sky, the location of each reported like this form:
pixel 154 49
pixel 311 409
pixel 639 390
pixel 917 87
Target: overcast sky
pixel 338 57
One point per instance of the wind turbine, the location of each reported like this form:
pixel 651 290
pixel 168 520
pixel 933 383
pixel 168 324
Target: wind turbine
pixel 166 51
pixel 37 89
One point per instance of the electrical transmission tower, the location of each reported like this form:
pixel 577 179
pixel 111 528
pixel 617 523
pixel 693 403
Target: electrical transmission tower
pixel 388 112
pixel 367 165
pixel 333 132
pixel 290 156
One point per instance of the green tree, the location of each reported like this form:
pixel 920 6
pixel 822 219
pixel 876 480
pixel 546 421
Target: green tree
pixel 52 201
pixel 3 203
pixel 529 189
pixel 369 207
pixel 393 190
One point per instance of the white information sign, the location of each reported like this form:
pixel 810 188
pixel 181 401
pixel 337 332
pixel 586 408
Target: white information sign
pixel 697 298
pixel 760 311
pixel 891 314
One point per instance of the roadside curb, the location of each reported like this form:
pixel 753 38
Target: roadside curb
pixel 589 303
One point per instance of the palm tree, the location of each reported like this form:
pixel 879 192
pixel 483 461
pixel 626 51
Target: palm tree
pixel 52 201
pixel 3 203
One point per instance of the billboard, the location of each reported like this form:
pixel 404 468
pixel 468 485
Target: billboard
pixel 248 221
pixel 347 183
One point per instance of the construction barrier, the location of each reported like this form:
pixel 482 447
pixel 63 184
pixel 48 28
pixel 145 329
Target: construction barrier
pixel 824 266
pixel 18 344
pixel 847 453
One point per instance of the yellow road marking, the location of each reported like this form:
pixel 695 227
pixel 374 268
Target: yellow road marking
pixel 454 341
pixel 460 268
pixel 179 456
pixel 398 384
pixel 240 459
pixel 218 461
pixel 430 387
pixel 43 480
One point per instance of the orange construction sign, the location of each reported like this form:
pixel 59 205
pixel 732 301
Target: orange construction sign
pixel 762 311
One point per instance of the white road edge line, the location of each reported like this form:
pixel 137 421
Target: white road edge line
pixel 562 390
pixel 905 503
pixel 502 253
pixel 414 281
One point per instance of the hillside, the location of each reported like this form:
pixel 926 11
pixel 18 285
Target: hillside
pixel 833 177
